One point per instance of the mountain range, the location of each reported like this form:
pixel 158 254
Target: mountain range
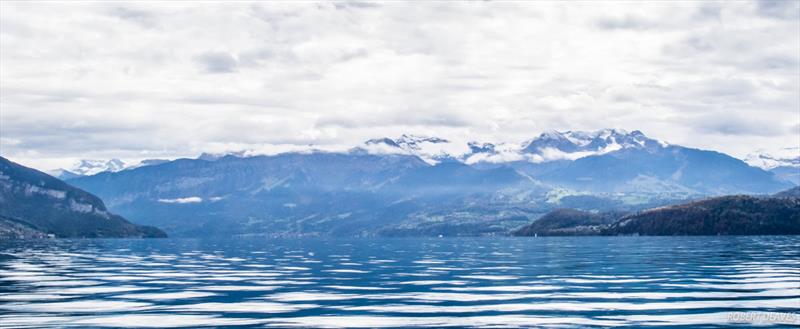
pixel 416 185
pixel 34 204
pixel 550 146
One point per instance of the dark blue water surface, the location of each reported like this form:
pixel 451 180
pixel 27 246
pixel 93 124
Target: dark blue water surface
pixel 455 282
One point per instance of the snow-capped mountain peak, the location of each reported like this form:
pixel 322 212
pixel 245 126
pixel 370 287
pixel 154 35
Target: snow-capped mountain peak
pixel 596 142
pixel 415 142
pixel 494 152
pixel 430 149
pixel 89 167
pixel 92 167
pixel 770 159
pixel 550 145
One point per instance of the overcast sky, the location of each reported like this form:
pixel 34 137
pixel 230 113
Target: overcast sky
pixel 170 79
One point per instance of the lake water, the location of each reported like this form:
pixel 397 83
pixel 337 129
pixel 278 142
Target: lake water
pixel 459 282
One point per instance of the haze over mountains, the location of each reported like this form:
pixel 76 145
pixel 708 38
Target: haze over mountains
pixel 421 185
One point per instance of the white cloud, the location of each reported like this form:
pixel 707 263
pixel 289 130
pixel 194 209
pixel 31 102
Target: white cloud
pixel 143 80
pixel 191 199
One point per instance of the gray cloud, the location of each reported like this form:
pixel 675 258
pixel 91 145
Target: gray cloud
pixel 628 22
pixel 140 17
pixel 709 10
pixel 355 5
pixel 140 79
pixel 217 62
pixel 784 9
pixel 735 125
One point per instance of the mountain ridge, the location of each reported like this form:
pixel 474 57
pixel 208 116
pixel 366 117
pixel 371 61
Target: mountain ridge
pixel 549 146
pixel 52 206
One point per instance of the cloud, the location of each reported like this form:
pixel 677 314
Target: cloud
pixel 735 125
pixel 355 5
pixel 784 9
pixel 628 22
pixel 217 62
pixel 135 80
pixel 191 199
pixel 137 16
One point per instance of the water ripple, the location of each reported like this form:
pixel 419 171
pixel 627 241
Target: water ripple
pixel 379 283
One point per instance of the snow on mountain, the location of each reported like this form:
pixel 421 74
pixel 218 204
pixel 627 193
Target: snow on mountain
pixel 571 145
pixel 430 149
pixel 494 153
pixel 784 163
pixel 88 168
pixel 386 183
pixel 92 167
pixel 548 146
pixel 771 159
pixel 568 145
